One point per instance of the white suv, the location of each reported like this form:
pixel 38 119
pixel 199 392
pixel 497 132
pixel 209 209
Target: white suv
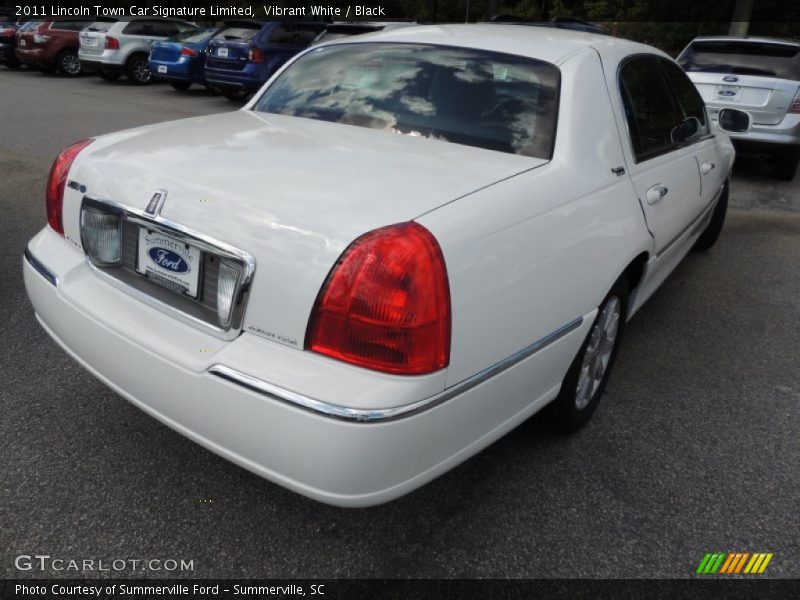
pixel 111 48
pixel 760 76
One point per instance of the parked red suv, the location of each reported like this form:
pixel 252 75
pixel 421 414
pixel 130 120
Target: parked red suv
pixel 52 46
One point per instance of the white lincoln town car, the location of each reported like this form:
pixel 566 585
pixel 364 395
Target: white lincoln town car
pixel 405 245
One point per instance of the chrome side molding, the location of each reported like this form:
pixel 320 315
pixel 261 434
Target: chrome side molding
pixel 43 271
pixel 377 415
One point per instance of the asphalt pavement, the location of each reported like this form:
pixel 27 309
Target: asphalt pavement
pixel 695 447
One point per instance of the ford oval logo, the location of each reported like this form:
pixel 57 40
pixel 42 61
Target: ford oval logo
pixel 727 94
pixel 169 260
pixel 730 78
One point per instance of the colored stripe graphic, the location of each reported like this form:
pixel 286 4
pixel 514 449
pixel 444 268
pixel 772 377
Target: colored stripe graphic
pixel 729 563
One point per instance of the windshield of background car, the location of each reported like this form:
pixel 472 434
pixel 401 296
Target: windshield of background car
pixel 100 26
pixel 472 97
pixel 192 36
pixel 238 34
pixel 743 58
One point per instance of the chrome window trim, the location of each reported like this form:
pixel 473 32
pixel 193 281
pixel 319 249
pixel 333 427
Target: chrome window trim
pixel 195 238
pixel 380 415
pixel 40 268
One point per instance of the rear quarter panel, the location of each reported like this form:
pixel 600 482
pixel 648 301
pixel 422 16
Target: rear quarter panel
pixel 528 255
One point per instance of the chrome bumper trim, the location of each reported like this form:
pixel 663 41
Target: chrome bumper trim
pixel 42 270
pixel 361 415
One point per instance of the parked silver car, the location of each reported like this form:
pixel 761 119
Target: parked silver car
pixel 760 76
pixel 111 48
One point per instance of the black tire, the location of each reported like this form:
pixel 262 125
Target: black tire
pixel 109 75
pixel 233 94
pixel 567 411
pixel 711 233
pixel 180 86
pixel 68 63
pixel 137 69
pixel 13 64
pixel 786 165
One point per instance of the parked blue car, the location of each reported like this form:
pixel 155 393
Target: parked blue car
pixel 181 59
pixel 242 55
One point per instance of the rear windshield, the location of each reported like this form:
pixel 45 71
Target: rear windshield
pixel 743 58
pixel 101 26
pixel 237 34
pixel 192 36
pixel 471 97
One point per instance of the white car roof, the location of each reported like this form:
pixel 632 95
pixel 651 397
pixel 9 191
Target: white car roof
pixel 549 44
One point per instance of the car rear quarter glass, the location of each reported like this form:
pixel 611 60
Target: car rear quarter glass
pixel 471 97
pixel 649 108
pixel 744 58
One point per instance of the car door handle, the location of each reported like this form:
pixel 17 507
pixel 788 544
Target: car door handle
pixel 656 193
pixel 707 167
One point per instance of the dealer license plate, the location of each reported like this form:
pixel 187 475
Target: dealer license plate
pixel 162 68
pixel 169 262
pixel 222 52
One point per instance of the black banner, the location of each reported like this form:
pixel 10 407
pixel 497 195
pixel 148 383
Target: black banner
pixel 401 589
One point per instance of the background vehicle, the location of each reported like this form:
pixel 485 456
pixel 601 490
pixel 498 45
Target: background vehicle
pixel 335 31
pixel 52 46
pixel 244 54
pixel 181 59
pixel 760 76
pixel 114 48
pixel 9 37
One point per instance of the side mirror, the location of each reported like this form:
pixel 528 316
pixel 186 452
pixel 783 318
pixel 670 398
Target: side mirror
pixel 734 121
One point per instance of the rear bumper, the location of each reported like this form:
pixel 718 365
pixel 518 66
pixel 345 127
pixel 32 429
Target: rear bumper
pixel 95 66
pixel 243 80
pixel 176 71
pixel 29 56
pixel 334 460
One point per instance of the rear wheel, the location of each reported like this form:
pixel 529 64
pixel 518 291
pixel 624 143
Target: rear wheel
pixel 786 165
pixel 68 63
pixel 180 86
pixel 234 94
pixel 588 374
pixel 710 234
pixel 137 69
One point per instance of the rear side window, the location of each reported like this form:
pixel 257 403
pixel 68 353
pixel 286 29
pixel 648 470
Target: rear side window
pixel 193 36
pixel 689 101
pixel 649 108
pixel 743 58
pixel 237 34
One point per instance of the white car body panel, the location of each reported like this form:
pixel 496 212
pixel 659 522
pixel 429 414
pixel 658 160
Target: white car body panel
pixel 531 247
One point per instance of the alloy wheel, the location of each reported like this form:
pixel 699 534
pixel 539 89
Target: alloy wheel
pixel 598 352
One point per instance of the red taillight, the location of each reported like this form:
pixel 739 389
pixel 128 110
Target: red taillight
pixel 386 304
pixel 56 183
pixel 7 32
pixel 188 52
pixel 255 55
pixel 795 107
pixel 112 43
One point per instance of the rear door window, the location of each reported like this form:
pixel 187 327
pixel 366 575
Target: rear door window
pixel 689 101
pixel 649 109
pixel 743 58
